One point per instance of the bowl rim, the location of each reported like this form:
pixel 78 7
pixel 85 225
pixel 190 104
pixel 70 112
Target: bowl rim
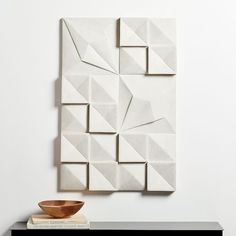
pixel 75 203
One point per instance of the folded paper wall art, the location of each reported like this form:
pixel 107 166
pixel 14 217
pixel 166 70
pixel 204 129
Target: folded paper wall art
pixel 118 104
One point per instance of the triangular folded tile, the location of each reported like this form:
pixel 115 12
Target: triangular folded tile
pixel 125 97
pixel 133 61
pixel 71 61
pixel 73 177
pixel 132 148
pixel 156 64
pixel 133 32
pixel 132 177
pixel 103 118
pixel 74 118
pixel 103 176
pixel 104 89
pixel 103 147
pixel 89 43
pixel 139 112
pixel 161 31
pixel 75 89
pixel 161 177
pixel 161 147
pixel 158 126
pixel 74 148
pixel 70 56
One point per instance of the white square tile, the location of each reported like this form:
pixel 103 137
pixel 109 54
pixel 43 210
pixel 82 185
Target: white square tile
pixel 103 147
pixel 132 148
pixel 161 176
pixel 75 147
pixel 133 31
pixel 132 177
pixel 133 61
pixel 73 177
pixel 74 119
pixel 103 118
pixel 103 176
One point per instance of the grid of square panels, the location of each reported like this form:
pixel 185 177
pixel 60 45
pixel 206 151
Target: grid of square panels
pixel 111 140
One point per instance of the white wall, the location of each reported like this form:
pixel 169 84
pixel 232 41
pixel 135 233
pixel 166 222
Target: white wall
pixel 206 111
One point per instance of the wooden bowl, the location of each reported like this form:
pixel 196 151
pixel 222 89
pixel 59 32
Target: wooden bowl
pixel 60 208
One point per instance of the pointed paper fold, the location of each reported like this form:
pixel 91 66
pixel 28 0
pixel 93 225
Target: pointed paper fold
pixel 93 47
pixel 157 126
pixel 139 112
pixel 125 97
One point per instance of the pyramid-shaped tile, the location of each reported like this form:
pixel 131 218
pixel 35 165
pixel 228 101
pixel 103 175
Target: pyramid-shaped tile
pixel 161 176
pixel 133 60
pixel 161 147
pixel 73 177
pixel 162 60
pixel 103 176
pixel 75 89
pixel 132 177
pixel 74 119
pixel 133 32
pixel 132 148
pixel 103 118
pixel 104 89
pixel 75 147
pixel 103 147
pixel 162 31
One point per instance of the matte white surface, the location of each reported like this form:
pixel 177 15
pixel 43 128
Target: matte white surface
pixel 75 89
pixel 132 177
pixel 103 118
pixel 206 114
pixel 103 176
pixel 73 177
pixel 74 119
pixel 133 61
pixel 132 148
pixel 75 147
pixel 161 176
pixel 104 89
pixel 133 31
pixel 102 147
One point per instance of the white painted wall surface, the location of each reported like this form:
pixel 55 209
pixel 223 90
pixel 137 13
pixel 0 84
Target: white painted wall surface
pixel 206 111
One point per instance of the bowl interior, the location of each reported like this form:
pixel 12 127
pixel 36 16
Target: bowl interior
pixel 60 203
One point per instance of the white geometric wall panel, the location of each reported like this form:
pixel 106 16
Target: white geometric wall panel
pixel 118 104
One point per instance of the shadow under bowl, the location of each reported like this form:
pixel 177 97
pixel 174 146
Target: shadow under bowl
pixel 60 208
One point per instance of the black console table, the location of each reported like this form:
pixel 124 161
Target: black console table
pixel 150 228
